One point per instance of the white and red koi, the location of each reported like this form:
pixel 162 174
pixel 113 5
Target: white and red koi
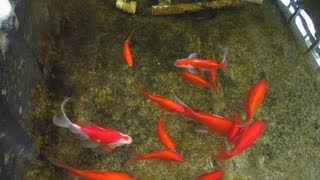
pixel 94 135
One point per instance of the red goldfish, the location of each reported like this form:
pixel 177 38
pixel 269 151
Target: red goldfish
pixel 160 155
pixel 254 98
pixel 246 139
pixel 126 53
pixel 95 174
pixel 93 135
pixel 195 62
pixel 196 79
pixel 164 138
pixel 213 175
pixel 210 121
pixel 164 103
pixel 213 122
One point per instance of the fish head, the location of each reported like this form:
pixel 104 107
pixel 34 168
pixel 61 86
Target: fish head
pixel 125 139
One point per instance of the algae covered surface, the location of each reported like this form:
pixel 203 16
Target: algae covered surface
pixel 81 56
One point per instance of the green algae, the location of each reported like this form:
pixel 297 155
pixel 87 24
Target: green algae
pixel 82 57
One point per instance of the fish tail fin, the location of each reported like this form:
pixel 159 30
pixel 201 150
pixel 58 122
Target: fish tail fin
pixel 234 132
pixel 223 155
pixel 62 120
pixel 213 86
pixel 136 157
pixel 144 93
pixel 72 171
pixel 224 62
pixel 248 118
pixel 187 108
pixel 130 36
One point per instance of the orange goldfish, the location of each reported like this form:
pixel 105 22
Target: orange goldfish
pixel 164 138
pixel 160 155
pixel 94 174
pixel 164 103
pixel 126 53
pixel 196 79
pixel 246 139
pixel 213 175
pixel 210 121
pixel 254 98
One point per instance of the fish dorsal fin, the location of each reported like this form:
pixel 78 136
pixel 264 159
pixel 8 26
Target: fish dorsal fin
pixel 100 128
pixel 194 55
pixel 218 116
pixel 179 101
pixel 193 71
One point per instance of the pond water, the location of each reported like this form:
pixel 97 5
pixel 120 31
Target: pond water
pixel 81 55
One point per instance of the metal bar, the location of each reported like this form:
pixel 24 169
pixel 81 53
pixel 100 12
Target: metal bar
pixel 294 15
pixel 313 46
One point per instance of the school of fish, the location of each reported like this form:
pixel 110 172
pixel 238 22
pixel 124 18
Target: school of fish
pixel 241 135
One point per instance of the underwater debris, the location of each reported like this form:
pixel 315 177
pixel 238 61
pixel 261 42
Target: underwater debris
pixel 129 7
pixel 169 9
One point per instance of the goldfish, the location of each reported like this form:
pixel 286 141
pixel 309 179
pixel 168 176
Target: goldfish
pixel 193 62
pixel 210 121
pixel 213 175
pixel 94 135
pixel 163 102
pixel 196 79
pixel 246 139
pixel 126 53
pixel 160 155
pixel 164 138
pixel 94 174
pixel 254 98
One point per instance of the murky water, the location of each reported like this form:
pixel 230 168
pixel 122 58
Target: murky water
pixel 82 55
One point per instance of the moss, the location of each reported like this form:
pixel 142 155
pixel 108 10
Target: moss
pixel 82 55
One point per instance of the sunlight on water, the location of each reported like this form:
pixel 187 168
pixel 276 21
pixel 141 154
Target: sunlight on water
pixel 285 2
pixel 5 9
pixel 309 22
pixel 300 26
